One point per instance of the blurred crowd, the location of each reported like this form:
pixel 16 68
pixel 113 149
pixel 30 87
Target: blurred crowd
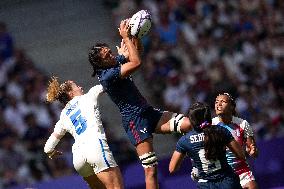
pixel 27 121
pixel 198 49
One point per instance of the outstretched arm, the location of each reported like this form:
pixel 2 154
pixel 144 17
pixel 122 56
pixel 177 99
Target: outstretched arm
pixel 176 161
pixel 51 144
pixel 134 60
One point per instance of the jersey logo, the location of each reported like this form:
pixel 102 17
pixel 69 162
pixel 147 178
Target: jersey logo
pixel 144 130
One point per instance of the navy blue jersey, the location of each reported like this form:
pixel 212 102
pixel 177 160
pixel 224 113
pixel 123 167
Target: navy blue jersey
pixel 192 144
pixel 122 91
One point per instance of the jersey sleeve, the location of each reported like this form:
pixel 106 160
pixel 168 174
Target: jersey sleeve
pixel 120 59
pixel 95 91
pixel 248 132
pixel 181 146
pixel 59 128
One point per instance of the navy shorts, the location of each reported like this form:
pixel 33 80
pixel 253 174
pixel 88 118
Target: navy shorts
pixel 141 126
pixel 228 182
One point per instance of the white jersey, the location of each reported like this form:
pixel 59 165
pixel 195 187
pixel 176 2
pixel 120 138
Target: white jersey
pixel 81 118
pixel 242 131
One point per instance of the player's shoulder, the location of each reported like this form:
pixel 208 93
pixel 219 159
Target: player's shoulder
pixel 215 120
pixel 239 121
pixel 95 90
pixel 185 137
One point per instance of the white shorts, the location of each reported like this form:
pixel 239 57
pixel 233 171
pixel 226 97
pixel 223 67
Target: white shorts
pixel 246 178
pixel 92 157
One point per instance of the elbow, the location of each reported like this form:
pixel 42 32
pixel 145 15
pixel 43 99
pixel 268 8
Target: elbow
pixel 138 63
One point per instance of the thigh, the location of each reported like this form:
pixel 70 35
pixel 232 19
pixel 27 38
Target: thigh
pixel 145 147
pixel 140 127
pixel 99 156
pixel 111 177
pixel 164 123
pixel 94 182
pixel 80 164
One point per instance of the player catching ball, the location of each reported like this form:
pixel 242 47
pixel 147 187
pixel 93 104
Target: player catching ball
pixel 139 119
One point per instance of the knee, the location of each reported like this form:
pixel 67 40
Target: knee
pixel 149 160
pixel 151 172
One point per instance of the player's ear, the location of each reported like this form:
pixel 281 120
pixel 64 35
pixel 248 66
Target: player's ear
pixel 70 94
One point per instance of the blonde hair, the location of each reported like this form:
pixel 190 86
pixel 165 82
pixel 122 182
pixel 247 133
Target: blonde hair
pixel 57 91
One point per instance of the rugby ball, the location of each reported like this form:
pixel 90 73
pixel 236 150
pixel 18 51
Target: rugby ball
pixel 140 23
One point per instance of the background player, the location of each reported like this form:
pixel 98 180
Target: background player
pixel 205 145
pixel 139 119
pixel 80 117
pixel 241 130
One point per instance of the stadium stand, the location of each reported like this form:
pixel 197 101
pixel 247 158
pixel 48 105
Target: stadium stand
pixel 195 50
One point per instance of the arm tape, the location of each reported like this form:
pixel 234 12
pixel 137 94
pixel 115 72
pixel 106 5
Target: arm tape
pixel 51 143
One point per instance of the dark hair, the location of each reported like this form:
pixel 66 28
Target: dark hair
pixel 95 57
pixel 200 117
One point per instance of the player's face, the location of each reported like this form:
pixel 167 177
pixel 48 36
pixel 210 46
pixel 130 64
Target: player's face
pixel 76 89
pixel 222 105
pixel 108 58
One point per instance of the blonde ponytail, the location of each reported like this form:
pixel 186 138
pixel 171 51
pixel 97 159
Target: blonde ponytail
pixel 53 90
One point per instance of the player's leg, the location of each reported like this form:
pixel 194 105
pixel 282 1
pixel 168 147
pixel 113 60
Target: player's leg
pixel 149 162
pixel 103 164
pixel 85 169
pixel 251 185
pixel 111 178
pixel 173 122
pixel 247 180
pixel 94 182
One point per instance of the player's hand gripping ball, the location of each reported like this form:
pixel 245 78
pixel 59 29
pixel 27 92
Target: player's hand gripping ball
pixel 140 23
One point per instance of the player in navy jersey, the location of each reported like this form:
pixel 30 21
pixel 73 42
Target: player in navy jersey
pixel 140 120
pixel 205 145
pixel 241 130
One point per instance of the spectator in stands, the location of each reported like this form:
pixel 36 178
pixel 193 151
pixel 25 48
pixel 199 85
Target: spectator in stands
pixel 6 42
pixel 35 135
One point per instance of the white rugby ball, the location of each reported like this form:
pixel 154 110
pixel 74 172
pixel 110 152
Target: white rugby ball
pixel 140 23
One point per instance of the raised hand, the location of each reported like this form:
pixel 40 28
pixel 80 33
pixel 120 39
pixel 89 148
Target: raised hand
pixel 124 28
pixel 54 153
pixel 252 150
pixel 122 50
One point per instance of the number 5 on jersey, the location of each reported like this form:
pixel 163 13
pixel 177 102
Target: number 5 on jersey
pixel 79 122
